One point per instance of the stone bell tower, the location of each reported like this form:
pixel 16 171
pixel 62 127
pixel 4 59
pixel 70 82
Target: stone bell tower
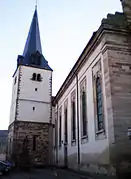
pixel 31 108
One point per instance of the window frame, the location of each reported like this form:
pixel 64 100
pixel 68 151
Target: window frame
pixel 97 73
pixel 66 122
pixel 84 123
pixel 99 105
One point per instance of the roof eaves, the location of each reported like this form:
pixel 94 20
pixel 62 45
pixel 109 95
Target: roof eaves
pixel 75 68
pixel 93 40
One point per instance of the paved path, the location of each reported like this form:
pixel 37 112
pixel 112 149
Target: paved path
pixel 44 174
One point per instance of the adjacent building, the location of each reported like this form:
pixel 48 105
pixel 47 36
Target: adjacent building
pixel 3 144
pixel 91 110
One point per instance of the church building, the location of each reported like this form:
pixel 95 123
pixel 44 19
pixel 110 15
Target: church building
pixel 87 125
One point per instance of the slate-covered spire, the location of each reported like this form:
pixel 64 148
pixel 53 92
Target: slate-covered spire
pixel 33 42
pixel 32 55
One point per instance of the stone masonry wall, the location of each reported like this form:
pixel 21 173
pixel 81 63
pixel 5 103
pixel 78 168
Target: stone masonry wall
pixel 119 61
pixel 41 131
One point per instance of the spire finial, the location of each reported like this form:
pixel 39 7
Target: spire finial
pixel 36 4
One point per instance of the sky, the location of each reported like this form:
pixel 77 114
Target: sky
pixel 65 28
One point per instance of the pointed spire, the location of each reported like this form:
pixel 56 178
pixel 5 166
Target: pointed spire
pixel 33 42
pixel 32 55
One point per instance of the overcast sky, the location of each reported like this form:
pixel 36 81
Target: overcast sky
pixel 65 27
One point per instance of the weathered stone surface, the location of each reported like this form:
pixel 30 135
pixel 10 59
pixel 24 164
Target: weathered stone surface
pixel 121 100
pixel 117 74
pixel 30 129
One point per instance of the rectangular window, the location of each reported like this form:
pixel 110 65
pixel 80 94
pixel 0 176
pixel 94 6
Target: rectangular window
pixel 83 108
pixel 60 126
pixel 73 116
pixel 34 143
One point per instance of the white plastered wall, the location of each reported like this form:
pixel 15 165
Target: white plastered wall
pixel 34 100
pixel 92 151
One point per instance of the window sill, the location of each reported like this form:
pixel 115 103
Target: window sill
pixel 84 137
pixel 36 80
pixel 100 132
pixel 100 135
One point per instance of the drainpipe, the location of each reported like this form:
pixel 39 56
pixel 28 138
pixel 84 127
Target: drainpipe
pixel 78 132
pixel 56 133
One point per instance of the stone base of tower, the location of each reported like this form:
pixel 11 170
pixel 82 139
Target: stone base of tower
pixel 30 142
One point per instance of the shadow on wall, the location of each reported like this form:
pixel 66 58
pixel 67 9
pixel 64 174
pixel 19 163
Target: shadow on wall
pixel 72 161
pixel 92 162
pixel 121 157
pixel 96 158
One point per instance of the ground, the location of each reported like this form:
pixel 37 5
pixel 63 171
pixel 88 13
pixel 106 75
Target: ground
pixel 45 174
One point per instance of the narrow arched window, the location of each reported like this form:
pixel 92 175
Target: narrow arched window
pixel 99 104
pixel 38 77
pixel 66 122
pixel 60 128
pixel 84 113
pixel 34 76
pixel 73 120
